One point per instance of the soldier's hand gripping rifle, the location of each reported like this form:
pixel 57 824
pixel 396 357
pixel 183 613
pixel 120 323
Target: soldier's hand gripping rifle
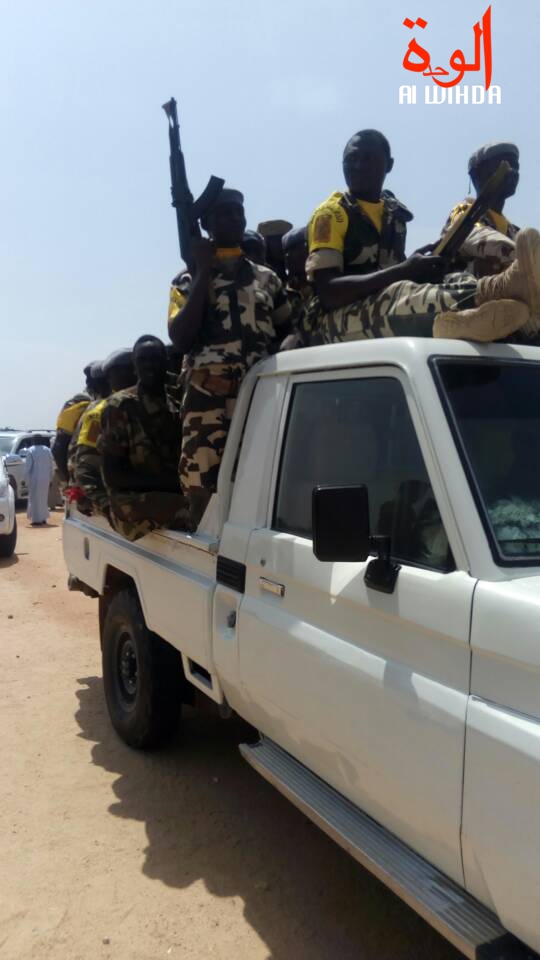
pixel 188 210
pixel 451 242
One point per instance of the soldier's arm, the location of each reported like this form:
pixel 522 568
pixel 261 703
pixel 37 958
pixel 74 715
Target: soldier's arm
pixel 119 476
pixel 324 267
pixel 184 327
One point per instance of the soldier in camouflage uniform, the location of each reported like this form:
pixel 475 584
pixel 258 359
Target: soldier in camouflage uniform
pixel 100 388
pixel 66 424
pixel 232 313
pixel 366 288
pixel 140 446
pixel 87 461
pixel 490 247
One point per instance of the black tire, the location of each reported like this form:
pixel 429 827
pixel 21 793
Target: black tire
pixel 13 485
pixel 8 542
pixel 142 675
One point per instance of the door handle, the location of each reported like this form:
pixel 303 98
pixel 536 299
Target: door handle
pixel 271 586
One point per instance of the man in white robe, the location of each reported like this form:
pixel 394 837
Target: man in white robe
pixel 39 468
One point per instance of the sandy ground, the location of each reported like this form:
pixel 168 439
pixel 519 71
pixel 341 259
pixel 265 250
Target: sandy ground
pixel 182 853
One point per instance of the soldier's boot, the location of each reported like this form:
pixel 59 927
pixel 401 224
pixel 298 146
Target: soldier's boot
pixel 521 280
pixel 491 321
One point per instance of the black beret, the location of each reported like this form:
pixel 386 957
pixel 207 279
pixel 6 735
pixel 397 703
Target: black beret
pixel 118 358
pixel 492 150
pixel 294 238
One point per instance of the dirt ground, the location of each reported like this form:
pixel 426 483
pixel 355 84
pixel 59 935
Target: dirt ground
pixel 182 853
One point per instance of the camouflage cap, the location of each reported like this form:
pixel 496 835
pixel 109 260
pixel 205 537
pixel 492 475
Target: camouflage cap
pixel 274 228
pixel 294 238
pixel 492 150
pixel 118 358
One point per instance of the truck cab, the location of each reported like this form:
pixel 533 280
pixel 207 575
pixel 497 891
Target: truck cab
pixel 364 589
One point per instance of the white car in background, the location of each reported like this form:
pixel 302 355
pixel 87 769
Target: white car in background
pixel 13 446
pixel 8 521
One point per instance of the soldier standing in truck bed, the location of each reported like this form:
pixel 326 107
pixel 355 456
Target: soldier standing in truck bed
pixel 231 314
pixel 140 446
pixel 87 460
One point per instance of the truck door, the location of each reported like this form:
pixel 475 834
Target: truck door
pixel 369 690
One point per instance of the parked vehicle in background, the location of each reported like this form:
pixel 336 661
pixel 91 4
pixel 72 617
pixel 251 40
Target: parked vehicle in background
pixel 13 442
pixel 8 520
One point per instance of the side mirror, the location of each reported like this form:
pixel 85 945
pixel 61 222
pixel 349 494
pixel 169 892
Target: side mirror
pixel 12 460
pixel 341 523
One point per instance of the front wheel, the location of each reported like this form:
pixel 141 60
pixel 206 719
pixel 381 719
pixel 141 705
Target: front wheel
pixel 142 675
pixel 8 542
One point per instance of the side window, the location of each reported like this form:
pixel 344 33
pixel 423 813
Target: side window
pixel 353 432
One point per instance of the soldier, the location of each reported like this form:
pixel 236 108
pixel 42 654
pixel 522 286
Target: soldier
pixel 254 247
pixel 299 290
pixel 120 373
pixel 232 313
pixel 67 422
pixel 273 232
pixel 140 446
pixel 366 288
pixel 100 389
pixel 490 247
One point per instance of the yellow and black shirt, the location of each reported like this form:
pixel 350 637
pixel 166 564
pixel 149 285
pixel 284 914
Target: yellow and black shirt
pixel 355 236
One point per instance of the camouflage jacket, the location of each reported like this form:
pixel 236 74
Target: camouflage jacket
pixel 341 235
pixel 490 246
pixel 142 431
pixel 300 321
pixel 246 306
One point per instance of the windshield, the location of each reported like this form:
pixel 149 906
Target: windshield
pixel 494 409
pixel 6 444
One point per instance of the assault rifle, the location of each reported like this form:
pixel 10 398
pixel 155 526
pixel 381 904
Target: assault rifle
pixel 452 240
pixel 188 210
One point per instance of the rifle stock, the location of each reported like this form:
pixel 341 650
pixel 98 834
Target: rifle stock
pixel 188 211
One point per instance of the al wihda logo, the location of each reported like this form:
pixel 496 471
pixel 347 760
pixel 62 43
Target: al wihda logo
pixel 418 60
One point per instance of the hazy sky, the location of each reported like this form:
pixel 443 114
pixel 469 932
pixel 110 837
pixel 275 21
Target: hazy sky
pixel 268 94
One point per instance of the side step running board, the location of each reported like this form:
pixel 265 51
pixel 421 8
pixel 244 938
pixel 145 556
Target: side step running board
pixel 457 916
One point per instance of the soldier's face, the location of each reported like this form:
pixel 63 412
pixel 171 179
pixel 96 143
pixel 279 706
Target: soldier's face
pixel 489 167
pixel 122 377
pixel 151 366
pixel 365 168
pixel 227 224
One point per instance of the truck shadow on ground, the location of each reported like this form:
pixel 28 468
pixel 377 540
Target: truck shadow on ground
pixel 209 816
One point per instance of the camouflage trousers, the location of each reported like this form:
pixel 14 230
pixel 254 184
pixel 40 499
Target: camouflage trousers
pixel 136 514
pixel 87 473
pixel 404 309
pixel 487 251
pixel 208 406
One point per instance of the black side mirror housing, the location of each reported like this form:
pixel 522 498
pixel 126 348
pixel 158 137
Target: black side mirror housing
pixel 341 523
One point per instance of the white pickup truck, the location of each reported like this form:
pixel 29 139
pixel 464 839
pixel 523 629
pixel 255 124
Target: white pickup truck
pixel 364 589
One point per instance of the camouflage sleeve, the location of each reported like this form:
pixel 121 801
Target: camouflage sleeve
pixel 180 290
pixel 282 308
pixel 115 430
